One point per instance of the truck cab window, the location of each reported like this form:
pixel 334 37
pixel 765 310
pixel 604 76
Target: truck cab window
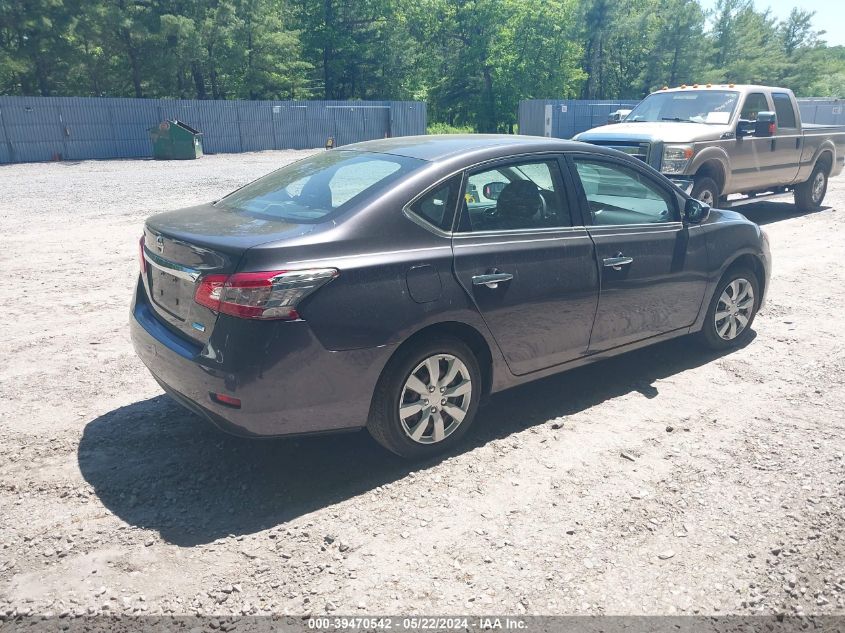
pixel 755 103
pixel 784 110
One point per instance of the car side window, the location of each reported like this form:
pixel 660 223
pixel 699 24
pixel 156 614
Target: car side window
pixel 754 104
pixel 620 195
pixel 784 110
pixel 524 195
pixel 438 205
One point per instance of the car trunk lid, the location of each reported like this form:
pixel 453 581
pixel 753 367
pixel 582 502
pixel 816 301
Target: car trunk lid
pixel 180 247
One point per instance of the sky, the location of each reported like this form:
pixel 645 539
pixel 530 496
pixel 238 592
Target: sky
pixel 830 14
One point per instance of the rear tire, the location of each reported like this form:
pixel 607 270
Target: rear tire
pixel 413 413
pixel 732 310
pixel 810 195
pixel 706 190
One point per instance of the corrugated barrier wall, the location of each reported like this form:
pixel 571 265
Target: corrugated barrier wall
pixel 564 118
pixel 77 128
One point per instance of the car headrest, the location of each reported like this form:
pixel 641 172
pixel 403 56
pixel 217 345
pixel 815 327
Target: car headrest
pixel 518 199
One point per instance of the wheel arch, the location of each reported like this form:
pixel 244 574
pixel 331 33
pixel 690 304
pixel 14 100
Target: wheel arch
pixel 825 157
pixel 714 169
pixel 753 263
pixel 463 332
pixel 713 162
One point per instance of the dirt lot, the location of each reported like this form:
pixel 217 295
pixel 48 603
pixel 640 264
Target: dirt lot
pixel 666 481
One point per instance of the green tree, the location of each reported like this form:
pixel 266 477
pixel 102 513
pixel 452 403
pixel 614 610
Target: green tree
pixel 746 48
pixel 35 53
pixel 678 48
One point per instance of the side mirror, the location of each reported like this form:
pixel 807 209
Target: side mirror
pixel 696 212
pixel 745 128
pixel 492 190
pixel 766 124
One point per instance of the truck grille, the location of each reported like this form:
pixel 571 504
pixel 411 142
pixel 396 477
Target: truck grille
pixel 637 150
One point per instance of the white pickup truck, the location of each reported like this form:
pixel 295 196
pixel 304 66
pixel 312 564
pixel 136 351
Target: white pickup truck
pixel 720 140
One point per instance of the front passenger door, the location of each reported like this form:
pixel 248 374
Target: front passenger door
pixel 528 267
pixel 652 267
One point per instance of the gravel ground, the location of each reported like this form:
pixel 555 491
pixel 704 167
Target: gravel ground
pixel 667 481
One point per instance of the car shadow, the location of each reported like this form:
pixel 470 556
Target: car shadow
pixel 160 467
pixel 769 212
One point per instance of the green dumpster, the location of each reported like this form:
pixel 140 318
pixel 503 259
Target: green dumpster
pixel 175 140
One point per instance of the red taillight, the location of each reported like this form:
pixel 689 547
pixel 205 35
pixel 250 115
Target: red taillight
pixel 262 295
pixel 143 259
pixel 773 128
pixel 209 290
pixel 222 398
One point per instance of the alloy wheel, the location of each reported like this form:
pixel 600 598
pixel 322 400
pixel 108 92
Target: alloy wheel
pixel 735 308
pixel 435 398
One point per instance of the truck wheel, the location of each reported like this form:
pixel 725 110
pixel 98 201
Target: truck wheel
pixel 732 310
pixel 427 398
pixel 809 195
pixel 706 190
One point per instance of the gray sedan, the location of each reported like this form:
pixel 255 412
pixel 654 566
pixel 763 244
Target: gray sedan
pixel 393 284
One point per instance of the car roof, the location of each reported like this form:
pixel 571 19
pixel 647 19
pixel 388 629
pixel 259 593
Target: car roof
pixel 438 147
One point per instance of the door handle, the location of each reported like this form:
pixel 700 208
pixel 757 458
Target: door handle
pixel 616 263
pixel 491 280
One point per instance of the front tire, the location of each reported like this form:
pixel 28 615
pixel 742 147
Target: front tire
pixel 706 190
pixel 732 310
pixel 426 398
pixel 809 195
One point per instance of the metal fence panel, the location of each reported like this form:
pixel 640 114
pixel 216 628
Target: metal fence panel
pixel 29 122
pixel 255 126
pixel 319 122
pixel 34 152
pixel 531 117
pixel 289 125
pixel 218 121
pixel 76 128
pixel 354 123
pixel 568 116
pixel 822 111
pixel 376 123
pixel 407 118
pixel 84 149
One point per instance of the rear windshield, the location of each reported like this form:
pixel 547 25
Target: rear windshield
pixel 319 187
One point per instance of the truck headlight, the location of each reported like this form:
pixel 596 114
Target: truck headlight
pixel 676 158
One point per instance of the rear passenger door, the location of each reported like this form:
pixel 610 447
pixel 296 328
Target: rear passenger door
pixel 788 139
pixel 652 266
pixel 527 261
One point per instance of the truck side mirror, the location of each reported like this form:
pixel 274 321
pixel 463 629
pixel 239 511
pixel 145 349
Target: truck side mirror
pixel 745 128
pixel 766 124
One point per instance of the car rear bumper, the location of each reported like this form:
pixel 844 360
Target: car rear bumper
pixel 288 383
